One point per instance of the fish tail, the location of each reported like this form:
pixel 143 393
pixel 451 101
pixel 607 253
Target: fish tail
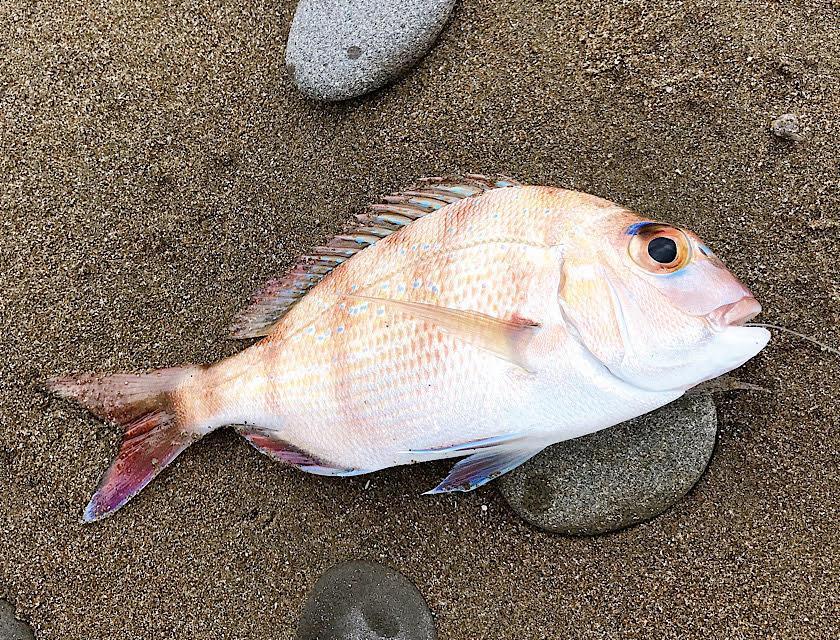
pixel 155 431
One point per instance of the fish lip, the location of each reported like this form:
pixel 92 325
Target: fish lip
pixel 735 314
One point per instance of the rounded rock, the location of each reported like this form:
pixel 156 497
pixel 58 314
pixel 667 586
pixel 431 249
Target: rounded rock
pixel 340 49
pixel 365 601
pixel 10 627
pixel 617 477
pixel 786 126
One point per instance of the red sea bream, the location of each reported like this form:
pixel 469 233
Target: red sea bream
pixel 470 318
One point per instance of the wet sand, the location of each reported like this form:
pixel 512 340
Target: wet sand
pixel 156 166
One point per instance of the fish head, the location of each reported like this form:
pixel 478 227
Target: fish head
pixel 655 305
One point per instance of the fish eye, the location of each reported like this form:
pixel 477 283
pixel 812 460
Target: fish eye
pixel 659 248
pixel 663 250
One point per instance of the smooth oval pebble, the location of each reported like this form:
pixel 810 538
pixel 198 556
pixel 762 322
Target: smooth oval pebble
pixel 365 601
pixel 617 477
pixel 10 627
pixel 340 49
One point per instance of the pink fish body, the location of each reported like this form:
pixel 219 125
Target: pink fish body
pixel 483 320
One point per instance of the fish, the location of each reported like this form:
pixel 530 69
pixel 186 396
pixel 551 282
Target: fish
pixel 469 317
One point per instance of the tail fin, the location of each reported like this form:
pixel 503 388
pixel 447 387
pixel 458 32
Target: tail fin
pixel 153 435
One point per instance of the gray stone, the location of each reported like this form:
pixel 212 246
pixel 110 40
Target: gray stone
pixel 616 477
pixel 341 49
pixel 365 601
pixel 10 627
pixel 786 126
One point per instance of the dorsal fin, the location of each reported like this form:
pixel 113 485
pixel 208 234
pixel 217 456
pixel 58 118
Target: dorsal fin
pixel 383 218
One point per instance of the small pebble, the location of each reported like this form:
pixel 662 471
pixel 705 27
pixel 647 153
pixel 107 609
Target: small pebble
pixel 340 49
pixel 619 476
pixel 786 126
pixel 10 627
pixel 365 601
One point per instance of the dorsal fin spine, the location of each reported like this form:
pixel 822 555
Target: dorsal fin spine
pixel 390 221
pixel 405 210
pixel 425 199
pixel 360 239
pixel 337 251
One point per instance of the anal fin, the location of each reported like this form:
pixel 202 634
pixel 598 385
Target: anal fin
pixel 484 466
pixel 269 443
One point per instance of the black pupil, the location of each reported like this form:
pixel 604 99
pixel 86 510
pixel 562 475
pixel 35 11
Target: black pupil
pixel 663 250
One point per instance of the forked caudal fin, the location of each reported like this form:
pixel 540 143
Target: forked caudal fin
pixel 153 434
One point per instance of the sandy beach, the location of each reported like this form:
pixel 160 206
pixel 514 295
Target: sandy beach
pixel 157 166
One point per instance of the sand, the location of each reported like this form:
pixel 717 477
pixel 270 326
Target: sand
pixel 156 166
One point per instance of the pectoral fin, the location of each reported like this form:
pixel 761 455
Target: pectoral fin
pixel 480 468
pixel 504 338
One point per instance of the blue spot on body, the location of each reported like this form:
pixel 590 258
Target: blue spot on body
pixel 340 329
pixel 425 246
pixel 416 284
pixel 310 330
pixel 385 285
pixel 401 288
pixel 380 311
pixel 434 288
pixel 354 287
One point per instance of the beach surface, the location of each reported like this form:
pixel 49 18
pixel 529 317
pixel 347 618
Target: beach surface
pixel 157 166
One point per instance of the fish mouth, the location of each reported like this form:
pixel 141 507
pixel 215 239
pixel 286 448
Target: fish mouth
pixel 735 314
